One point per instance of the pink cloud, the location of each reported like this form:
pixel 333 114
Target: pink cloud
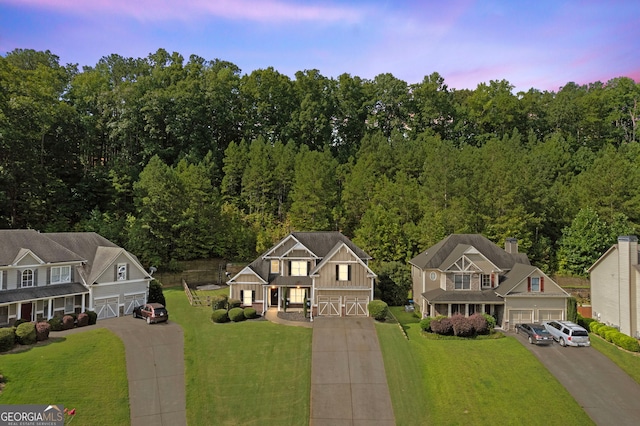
pixel 157 10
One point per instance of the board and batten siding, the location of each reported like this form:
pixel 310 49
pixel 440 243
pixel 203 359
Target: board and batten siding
pixel 248 282
pixel 328 278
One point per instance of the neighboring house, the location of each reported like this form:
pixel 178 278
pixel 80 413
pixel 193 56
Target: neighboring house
pixel 323 268
pixel 43 275
pixel 467 273
pixel 615 299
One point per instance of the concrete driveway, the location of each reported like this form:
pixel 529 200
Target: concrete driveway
pixel 348 380
pixel 607 394
pixel 155 369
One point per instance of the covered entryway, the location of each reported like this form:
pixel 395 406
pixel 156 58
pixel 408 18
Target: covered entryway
pixel 356 306
pixel 26 311
pixel 131 301
pixel 550 315
pixel 519 316
pixel 329 305
pixel 107 307
pixel 273 296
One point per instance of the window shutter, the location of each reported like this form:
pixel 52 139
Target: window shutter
pixel 542 284
pixel 115 272
pixel 19 281
pixel 529 284
pixel 48 277
pixel 337 272
pixel 253 296
pixel 289 265
pixel 308 268
pixel 35 277
pixel 242 296
pixel 126 272
pixel 348 272
pixel 4 280
pixel 493 280
pixel 71 275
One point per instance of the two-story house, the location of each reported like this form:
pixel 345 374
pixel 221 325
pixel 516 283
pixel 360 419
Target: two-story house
pixel 324 269
pixel 467 273
pixel 43 275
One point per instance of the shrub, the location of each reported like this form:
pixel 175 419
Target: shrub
pixel 220 316
pixel 93 317
pixel 19 321
pixel 67 322
pixel 234 303
pixel 83 320
pixel 491 321
pixel 626 342
pixel 425 324
pixel 250 313
pixel 7 338
pixel 462 326
pixel 602 331
pixel 26 333
pixel 442 325
pixel 156 295
pixel 595 326
pixel 42 331
pixel 219 301
pixel 585 322
pixel 610 334
pixel 378 310
pixel 55 323
pixel 479 323
pixel 236 314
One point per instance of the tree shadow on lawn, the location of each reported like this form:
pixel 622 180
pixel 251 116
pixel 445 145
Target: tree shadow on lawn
pixel 18 348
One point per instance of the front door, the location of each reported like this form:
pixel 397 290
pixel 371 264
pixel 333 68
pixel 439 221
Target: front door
pixel 25 311
pixel 274 296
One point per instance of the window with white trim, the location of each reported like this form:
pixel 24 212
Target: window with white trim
pixel 69 304
pixel 121 272
pixel 275 266
pixel 462 282
pixel 343 272
pixel 247 297
pixel 4 314
pixel 60 274
pixel 296 295
pixel 298 268
pixel 486 280
pixel 27 278
pixel 535 284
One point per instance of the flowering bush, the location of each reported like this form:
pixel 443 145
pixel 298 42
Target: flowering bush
pixel 442 325
pixel 42 330
pixel 479 323
pixel 462 326
pixel 83 320
pixel 67 322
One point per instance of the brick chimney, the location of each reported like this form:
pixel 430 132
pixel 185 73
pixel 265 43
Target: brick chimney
pixel 511 245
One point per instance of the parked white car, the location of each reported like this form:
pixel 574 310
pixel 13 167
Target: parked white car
pixel 568 333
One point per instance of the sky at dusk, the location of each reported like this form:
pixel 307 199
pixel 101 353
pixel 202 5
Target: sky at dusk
pixel 542 44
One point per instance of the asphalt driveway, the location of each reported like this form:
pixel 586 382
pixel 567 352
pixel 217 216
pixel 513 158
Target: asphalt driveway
pixel 607 394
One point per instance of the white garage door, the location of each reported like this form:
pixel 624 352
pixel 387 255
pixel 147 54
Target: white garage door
pixel 550 314
pixel 107 307
pixel 519 316
pixel 356 306
pixel 133 300
pixel 329 305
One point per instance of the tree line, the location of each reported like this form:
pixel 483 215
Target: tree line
pixel 178 159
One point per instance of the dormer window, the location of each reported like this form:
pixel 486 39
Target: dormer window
pixel 27 278
pixel 298 268
pixel 60 274
pixel 121 272
pixel 536 284
pixel 486 281
pixel 275 266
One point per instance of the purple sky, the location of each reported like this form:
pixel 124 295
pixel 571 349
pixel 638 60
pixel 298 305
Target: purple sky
pixel 542 44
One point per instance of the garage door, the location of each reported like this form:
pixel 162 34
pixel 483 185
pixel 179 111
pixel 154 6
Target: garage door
pixel 519 316
pixel 133 300
pixel 356 306
pixel 329 305
pixel 107 307
pixel 550 314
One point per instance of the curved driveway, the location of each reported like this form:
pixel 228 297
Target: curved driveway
pixel 605 392
pixel 155 369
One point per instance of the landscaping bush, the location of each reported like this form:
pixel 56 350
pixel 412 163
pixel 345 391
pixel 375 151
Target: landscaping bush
pixel 55 323
pixel 442 325
pixel 462 327
pixel 93 317
pixel 156 295
pixel 83 320
pixel 250 313
pixel 378 310
pixel 585 322
pixel 609 335
pixel 219 301
pixel 67 322
pixel 425 324
pixel 236 314
pixel 7 338
pixel 19 321
pixel 491 321
pixel 220 316
pixel 479 323
pixel 42 331
pixel 602 331
pixel 595 326
pixel 626 342
pixel 26 333
pixel 234 303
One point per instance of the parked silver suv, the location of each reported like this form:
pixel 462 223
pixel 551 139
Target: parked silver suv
pixel 568 333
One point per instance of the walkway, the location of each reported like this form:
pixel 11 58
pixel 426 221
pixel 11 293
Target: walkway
pixel 348 381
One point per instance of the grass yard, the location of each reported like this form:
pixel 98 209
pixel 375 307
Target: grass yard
pixel 629 362
pixel 248 373
pixel 85 371
pixel 450 382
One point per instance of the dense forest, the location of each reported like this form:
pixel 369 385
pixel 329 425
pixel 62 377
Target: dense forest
pixel 179 160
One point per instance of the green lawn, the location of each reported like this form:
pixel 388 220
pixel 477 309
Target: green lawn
pixel 480 382
pixel 85 371
pixel 253 372
pixel 628 361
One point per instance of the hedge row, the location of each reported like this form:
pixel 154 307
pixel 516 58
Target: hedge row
pixel 221 315
pixel 25 333
pixel 459 325
pixel 612 335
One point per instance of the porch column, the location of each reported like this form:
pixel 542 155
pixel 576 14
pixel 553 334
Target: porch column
pixel 83 304
pixel 50 308
pixel 466 309
pixel 448 309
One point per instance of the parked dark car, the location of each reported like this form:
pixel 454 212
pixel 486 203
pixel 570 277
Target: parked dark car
pixel 537 334
pixel 152 312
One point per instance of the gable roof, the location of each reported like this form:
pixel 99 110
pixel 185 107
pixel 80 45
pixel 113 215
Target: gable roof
pixel 436 256
pixel 14 243
pixel 335 250
pixel 518 274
